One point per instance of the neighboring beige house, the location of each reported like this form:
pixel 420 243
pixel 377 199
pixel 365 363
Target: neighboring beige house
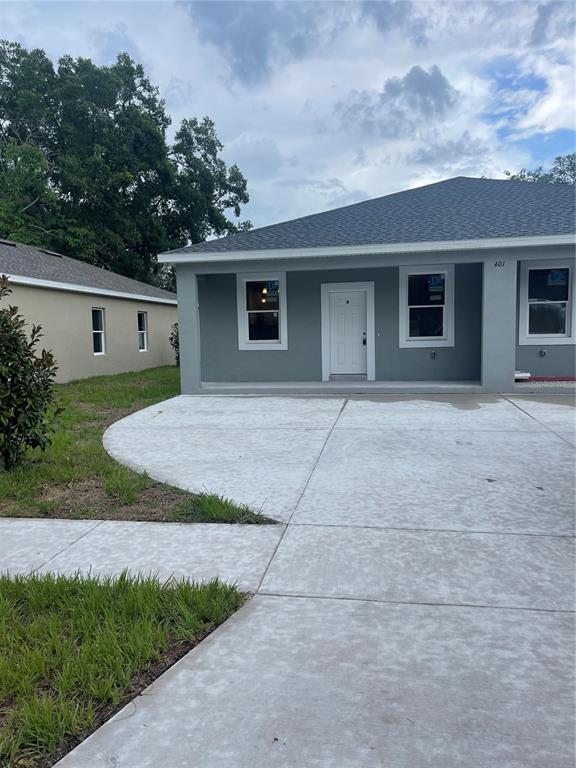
pixel 95 321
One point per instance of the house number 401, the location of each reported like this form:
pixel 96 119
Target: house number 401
pixel 499 263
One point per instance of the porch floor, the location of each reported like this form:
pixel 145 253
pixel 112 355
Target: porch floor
pixel 348 387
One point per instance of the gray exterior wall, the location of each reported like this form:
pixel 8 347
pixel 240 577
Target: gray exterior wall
pixel 222 361
pixel 558 360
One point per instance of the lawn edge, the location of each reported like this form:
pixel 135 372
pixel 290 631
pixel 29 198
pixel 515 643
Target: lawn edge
pixel 258 517
pixel 173 655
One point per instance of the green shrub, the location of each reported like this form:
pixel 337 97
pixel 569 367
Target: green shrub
pixel 26 385
pixel 175 342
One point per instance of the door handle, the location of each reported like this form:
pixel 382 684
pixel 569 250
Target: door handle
pixel 364 338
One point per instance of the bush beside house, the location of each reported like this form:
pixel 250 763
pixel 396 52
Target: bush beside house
pixel 26 385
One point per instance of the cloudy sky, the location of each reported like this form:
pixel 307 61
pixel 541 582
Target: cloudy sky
pixel 327 103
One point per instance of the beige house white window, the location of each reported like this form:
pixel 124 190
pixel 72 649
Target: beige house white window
pixel 143 331
pixel 98 331
pixel 262 320
pixel 426 306
pixel 546 313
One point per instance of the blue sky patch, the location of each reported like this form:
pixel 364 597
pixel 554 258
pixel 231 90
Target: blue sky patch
pixel 506 74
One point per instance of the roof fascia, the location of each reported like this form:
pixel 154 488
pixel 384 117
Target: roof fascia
pixel 73 287
pixel 434 246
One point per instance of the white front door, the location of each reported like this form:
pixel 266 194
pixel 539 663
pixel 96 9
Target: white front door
pixel 348 332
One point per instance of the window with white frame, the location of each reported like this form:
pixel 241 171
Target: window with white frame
pixel 427 306
pixel 546 303
pixel 98 331
pixel 143 331
pixel 261 302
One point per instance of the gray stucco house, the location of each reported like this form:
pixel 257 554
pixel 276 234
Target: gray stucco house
pixel 450 287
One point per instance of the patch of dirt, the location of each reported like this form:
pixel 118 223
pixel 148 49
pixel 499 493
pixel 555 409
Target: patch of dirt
pixel 88 499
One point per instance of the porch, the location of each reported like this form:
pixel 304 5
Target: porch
pixel 380 388
pixel 340 387
pixel 420 323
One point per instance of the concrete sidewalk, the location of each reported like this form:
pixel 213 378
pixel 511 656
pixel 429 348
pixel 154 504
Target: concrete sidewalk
pixel 238 554
pixel 415 611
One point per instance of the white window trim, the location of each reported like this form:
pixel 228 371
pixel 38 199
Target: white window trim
pixel 102 332
pixel 145 331
pixel 325 290
pixel 418 342
pixel 524 337
pixel 244 343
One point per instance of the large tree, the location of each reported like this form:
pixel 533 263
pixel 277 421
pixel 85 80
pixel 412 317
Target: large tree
pixel 86 168
pixel 563 171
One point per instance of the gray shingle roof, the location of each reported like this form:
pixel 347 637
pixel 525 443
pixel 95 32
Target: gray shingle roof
pixel 456 209
pixel 29 261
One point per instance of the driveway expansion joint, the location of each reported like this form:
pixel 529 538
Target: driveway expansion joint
pixel 341 598
pixel 547 428
pixel 289 521
pixel 434 530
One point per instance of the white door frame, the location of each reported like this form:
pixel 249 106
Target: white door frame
pixel 325 290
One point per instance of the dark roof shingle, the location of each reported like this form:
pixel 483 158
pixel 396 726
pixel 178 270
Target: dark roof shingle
pixel 29 261
pixel 456 209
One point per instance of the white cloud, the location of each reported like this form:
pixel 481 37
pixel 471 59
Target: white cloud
pixel 272 88
pixel 555 108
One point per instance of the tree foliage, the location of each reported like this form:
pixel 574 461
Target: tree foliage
pixel 174 339
pixel 563 171
pixel 26 386
pixel 86 168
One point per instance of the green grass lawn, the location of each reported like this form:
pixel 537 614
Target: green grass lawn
pixel 75 477
pixel 74 650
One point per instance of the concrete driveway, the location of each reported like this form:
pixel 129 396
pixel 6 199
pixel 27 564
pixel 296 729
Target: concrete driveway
pixel 415 611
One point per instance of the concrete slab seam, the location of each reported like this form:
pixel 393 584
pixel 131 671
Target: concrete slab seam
pixel 288 521
pixel 434 530
pixel 549 429
pixel 71 544
pixel 302 596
